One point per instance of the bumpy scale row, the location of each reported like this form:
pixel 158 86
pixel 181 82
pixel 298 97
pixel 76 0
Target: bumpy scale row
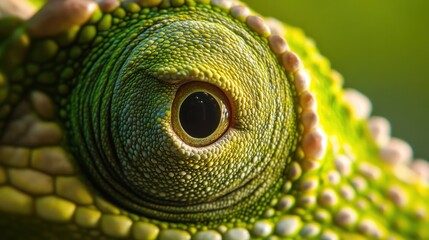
pixel 394 151
pixel 313 147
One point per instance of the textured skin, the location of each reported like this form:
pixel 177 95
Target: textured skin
pixel 88 151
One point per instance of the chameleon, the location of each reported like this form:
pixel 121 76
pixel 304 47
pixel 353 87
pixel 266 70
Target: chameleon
pixel 190 119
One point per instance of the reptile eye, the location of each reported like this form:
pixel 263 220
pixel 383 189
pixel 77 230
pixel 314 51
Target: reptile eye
pixel 201 113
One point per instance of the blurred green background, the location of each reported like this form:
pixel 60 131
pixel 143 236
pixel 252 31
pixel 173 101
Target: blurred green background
pixel 380 47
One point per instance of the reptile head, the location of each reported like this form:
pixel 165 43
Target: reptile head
pixel 157 119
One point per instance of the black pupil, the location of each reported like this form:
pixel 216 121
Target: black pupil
pixel 200 114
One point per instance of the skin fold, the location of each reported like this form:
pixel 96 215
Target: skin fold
pixel 94 145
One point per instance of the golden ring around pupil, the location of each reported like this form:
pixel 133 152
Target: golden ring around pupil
pixel 201 88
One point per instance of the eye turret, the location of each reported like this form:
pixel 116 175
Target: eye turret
pixel 179 123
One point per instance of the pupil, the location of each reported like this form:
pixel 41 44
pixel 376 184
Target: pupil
pixel 200 114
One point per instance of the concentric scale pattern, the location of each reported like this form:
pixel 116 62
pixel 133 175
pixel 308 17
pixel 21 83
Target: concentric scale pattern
pixel 89 147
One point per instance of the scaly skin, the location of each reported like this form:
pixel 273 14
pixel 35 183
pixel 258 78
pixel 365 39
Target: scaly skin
pixel 91 144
